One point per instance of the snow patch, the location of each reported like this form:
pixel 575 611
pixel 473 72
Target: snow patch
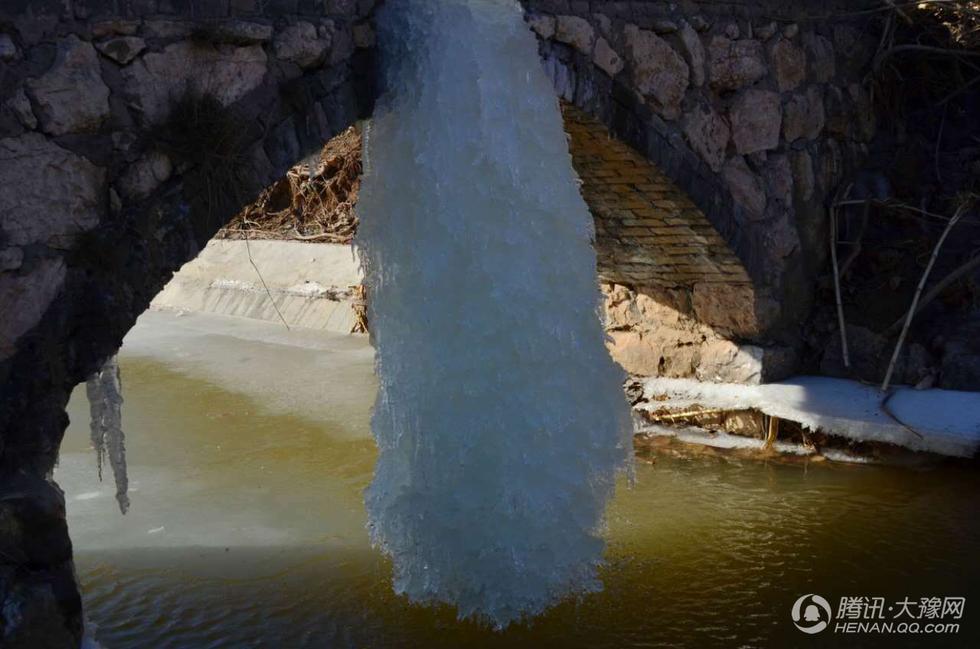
pixel 948 421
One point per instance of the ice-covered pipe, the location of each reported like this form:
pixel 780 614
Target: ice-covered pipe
pixel 500 418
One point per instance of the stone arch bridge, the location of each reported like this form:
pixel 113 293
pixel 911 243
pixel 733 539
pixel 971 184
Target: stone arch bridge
pixel 708 136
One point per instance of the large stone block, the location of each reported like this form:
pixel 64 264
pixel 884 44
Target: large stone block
pixel 745 186
pixel 71 97
pixel 155 81
pixel 789 64
pixel 803 115
pixel 658 71
pixel 693 51
pixel 607 58
pixel 47 194
pixel 708 134
pixel 727 306
pixel 756 117
pixel 24 297
pixel 301 44
pixel 734 64
pixel 575 31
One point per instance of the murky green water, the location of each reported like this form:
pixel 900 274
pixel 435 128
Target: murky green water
pixel 248 458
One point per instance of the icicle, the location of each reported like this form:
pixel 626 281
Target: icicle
pixel 104 390
pixel 500 418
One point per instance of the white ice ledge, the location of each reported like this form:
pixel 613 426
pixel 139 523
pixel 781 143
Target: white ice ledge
pixel 948 421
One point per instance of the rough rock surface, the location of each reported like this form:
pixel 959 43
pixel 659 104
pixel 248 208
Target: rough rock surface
pixel 803 115
pixel 122 49
pixel 708 133
pixel 575 31
pixel 745 186
pixel 155 80
pixel 658 70
pixel 788 63
pixel 71 97
pixel 607 58
pixel 733 64
pixel 23 299
pixel 301 44
pixel 34 204
pixel 756 117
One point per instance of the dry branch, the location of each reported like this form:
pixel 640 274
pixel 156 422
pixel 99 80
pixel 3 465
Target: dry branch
pixel 918 292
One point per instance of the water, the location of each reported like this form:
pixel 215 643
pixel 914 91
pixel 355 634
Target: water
pixel 248 458
pixel 500 419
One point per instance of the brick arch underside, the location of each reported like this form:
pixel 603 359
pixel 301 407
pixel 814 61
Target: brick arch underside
pixel 696 238
pixel 650 235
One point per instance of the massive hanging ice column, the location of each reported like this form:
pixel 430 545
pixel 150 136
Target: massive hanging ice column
pixel 104 391
pixel 500 418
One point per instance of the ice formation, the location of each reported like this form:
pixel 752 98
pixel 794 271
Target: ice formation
pixel 939 421
pixel 104 391
pixel 500 418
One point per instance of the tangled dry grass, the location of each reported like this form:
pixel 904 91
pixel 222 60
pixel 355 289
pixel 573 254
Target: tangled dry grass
pixel 312 202
pixel 960 19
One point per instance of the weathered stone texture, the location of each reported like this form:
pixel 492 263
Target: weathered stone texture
pixel 745 186
pixel 153 82
pixel 606 58
pixel 122 49
pixel 734 64
pixel 575 31
pixel 71 97
pixel 756 117
pixel 708 134
pixel 47 194
pixel 302 44
pixel 658 71
pixel 789 64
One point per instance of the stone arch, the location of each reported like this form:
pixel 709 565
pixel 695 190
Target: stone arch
pixel 736 110
pixel 99 209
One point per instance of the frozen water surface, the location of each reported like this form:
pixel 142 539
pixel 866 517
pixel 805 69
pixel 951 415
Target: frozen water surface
pixel 500 418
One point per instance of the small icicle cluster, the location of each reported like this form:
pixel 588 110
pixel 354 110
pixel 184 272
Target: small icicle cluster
pixel 500 418
pixel 104 390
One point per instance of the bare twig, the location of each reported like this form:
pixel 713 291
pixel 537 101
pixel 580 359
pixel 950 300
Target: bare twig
pixel 275 306
pixel 892 204
pixel 898 10
pixel 918 292
pixel 885 409
pixel 687 414
pixel 833 257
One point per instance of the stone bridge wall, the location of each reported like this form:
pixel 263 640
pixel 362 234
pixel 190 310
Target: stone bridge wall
pixel 729 126
pixel 130 130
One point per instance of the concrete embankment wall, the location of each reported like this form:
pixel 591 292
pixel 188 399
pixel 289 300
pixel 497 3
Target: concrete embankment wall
pixel 311 284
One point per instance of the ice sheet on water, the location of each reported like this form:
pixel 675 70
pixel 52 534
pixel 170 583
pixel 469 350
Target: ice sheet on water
pixel 104 391
pixel 500 417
